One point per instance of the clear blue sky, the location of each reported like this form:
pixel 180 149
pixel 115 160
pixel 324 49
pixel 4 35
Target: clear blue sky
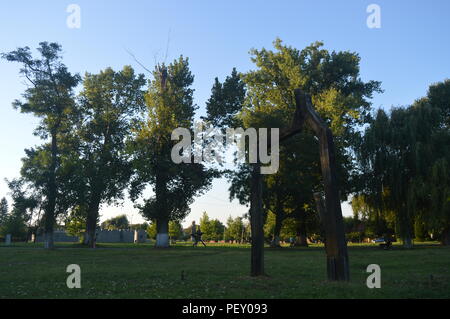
pixel 408 53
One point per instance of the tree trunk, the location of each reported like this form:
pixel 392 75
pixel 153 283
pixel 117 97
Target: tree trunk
pixel 407 242
pixel 276 234
pixel 91 222
pixel 405 229
pixel 162 237
pixel 48 240
pixel 50 218
pixel 162 219
pixel 445 236
pixel 301 238
pixel 256 220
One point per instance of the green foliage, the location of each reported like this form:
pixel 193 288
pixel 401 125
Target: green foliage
pixel 151 231
pixel 116 223
pixel 14 225
pixel 226 101
pixel 236 230
pixel 110 103
pixel 116 136
pixel 355 237
pixel 420 230
pixel 25 201
pixel 175 230
pixel 142 226
pixel 269 226
pixel 332 78
pixel 213 230
pixel 289 228
pixel 404 163
pixel 76 222
pixel 49 97
pixel 340 97
pixel 170 105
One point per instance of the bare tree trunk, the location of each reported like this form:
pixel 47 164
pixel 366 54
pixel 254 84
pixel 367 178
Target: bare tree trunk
pixel 257 226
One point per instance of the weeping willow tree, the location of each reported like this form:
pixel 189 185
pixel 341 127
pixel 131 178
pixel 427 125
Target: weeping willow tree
pixel 404 160
pixel 373 154
pixel 389 161
pixel 378 222
pixel 433 185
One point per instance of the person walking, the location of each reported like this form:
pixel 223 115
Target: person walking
pixel 196 235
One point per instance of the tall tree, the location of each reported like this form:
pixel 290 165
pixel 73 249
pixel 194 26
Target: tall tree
pixel 110 103
pixel 50 98
pixel 341 97
pixel 170 105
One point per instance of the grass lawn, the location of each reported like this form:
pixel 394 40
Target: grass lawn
pixel 218 271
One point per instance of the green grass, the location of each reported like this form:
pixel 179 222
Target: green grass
pixel 218 271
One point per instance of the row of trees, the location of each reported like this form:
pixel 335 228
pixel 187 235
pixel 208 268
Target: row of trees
pixel 264 98
pixel 400 183
pixel 115 136
pixel 16 219
pixel 11 223
pixel 236 230
pixel 112 136
pixel 394 165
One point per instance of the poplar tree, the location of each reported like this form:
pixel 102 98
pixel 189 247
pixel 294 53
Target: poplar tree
pixel 109 105
pixel 50 97
pixel 170 105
